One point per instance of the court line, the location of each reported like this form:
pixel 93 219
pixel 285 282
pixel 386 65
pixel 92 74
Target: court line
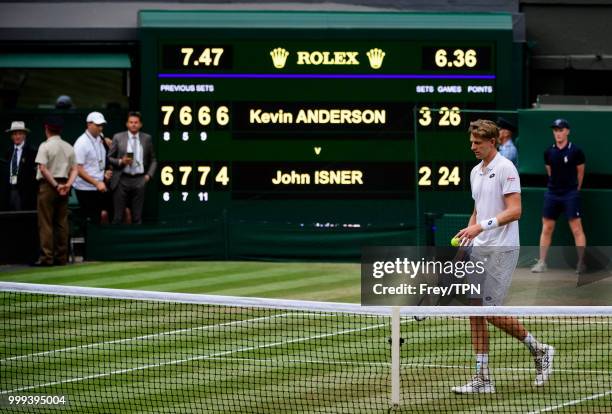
pixel 412 364
pixel 573 402
pixel 529 320
pixel 138 338
pixel 196 358
pixel 329 362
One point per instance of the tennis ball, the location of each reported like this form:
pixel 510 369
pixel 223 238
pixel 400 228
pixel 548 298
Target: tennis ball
pixel 455 241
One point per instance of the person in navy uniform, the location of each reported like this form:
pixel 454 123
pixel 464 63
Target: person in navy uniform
pixel 565 168
pixel 21 172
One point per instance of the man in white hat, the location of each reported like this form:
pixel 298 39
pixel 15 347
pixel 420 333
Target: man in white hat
pixel 20 177
pixel 91 162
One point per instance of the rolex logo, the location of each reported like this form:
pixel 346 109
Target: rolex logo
pixel 376 57
pixel 279 57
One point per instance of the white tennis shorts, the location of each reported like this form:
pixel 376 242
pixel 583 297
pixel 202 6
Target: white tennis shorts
pixel 499 267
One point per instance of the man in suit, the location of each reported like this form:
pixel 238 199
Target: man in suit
pixel 21 173
pixel 134 163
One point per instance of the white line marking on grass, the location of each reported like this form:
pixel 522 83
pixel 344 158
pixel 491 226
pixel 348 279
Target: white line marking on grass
pixel 411 364
pixel 574 371
pixel 196 358
pixel 573 402
pixel 144 337
pixel 301 361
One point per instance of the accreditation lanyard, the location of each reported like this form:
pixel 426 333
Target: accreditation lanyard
pixel 96 148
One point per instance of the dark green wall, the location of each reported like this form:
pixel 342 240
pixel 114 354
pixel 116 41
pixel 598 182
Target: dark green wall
pixel 589 131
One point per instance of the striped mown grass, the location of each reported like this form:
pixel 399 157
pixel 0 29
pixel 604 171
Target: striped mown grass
pixel 111 355
pixel 335 282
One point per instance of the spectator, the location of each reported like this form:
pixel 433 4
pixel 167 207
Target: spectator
pixel 134 164
pixel 506 144
pixel 565 168
pixel 91 160
pixel 63 102
pixel 57 171
pixel 21 174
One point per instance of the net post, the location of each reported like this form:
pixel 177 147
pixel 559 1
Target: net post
pixel 395 356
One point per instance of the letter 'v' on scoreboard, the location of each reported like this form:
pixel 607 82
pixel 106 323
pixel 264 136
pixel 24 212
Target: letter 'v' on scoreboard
pixel 306 117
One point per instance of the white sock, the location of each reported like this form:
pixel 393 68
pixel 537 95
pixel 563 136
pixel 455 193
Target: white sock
pixel 482 364
pixel 531 343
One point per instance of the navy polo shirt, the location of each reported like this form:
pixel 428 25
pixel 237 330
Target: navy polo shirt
pixel 563 175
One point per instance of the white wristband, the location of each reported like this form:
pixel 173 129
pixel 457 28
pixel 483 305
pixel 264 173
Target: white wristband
pixel 489 224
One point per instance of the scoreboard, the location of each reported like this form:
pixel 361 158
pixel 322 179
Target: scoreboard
pixel 311 119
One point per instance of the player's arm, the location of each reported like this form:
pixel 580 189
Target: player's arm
pixel 580 171
pixel 472 219
pixel 548 170
pixel 511 213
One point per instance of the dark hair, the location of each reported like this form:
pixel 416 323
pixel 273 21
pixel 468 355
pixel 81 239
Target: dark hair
pixel 484 129
pixel 136 114
pixel 54 124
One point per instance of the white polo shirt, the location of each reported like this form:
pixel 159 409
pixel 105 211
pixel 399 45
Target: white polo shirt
pixel 90 153
pixel 500 177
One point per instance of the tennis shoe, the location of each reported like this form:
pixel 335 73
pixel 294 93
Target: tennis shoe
pixel 478 385
pixel 544 363
pixel 539 267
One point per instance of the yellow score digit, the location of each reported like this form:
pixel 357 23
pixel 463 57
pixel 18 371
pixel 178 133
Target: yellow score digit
pixel 440 58
pixel 222 115
pixel 222 176
pixel 425 118
pixel 425 173
pixel 185 115
pixel 470 58
pixel 187 51
pixel 167 110
pixel 167 175
pixel 203 170
pixel 186 170
pixel 217 51
pixel 204 115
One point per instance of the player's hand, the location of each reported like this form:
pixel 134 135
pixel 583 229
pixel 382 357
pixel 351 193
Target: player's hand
pixel 101 187
pixel 108 174
pixel 469 233
pixel 147 178
pixel 125 160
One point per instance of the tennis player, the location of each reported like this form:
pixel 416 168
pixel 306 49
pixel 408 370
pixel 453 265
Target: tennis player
pixel 493 231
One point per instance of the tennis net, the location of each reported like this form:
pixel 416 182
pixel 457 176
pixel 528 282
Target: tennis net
pixel 106 350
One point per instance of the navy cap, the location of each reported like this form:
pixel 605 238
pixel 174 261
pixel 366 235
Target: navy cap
pixel 505 124
pixel 54 123
pixel 560 123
